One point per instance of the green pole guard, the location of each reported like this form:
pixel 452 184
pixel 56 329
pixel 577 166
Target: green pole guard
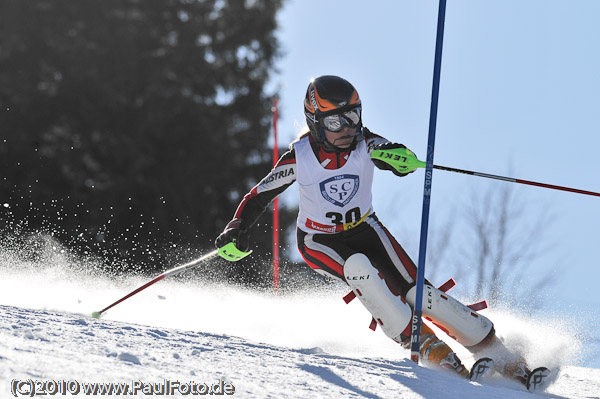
pixel 401 159
pixel 231 253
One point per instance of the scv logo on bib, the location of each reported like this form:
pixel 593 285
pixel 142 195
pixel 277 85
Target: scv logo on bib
pixel 339 190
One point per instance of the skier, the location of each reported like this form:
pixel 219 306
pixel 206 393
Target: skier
pixel 339 235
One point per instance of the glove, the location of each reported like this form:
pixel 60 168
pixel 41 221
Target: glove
pixel 233 233
pixel 387 166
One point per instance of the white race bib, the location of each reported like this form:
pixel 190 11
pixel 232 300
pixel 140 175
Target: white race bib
pixel 332 198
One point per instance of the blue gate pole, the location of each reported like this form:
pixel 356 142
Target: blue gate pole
pixel 418 310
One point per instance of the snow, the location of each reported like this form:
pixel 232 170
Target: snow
pixel 309 345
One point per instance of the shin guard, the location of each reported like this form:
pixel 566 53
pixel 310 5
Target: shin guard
pixel 390 311
pixel 466 326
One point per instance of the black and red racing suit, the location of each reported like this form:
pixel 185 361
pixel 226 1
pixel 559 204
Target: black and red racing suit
pixel 326 253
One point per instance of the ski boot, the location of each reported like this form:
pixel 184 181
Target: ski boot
pixel 534 381
pixel 508 363
pixel 516 370
pixel 437 353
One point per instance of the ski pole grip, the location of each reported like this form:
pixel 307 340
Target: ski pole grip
pixel 401 159
pixel 231 253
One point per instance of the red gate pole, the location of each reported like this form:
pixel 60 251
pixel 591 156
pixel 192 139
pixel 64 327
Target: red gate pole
pixel 275 206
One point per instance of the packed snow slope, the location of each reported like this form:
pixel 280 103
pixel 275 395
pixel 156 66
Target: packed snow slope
pixel 257 345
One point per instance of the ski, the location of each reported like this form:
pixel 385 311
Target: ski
pixel 534 381
pixel 480 368
pixel 537 380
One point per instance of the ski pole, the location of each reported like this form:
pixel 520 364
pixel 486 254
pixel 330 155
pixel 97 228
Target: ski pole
pixel 513 180
pixel 404 161
pixel 172 272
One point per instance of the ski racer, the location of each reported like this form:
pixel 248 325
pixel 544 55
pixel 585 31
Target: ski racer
pixel 339 235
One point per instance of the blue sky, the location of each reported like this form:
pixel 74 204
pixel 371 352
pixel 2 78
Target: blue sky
pixel 518 97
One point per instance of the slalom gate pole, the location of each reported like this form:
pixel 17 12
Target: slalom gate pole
pixel 275 206
pixel 172 272
pixel 418 310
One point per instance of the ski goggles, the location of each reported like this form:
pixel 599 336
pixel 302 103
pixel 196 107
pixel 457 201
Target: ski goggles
pixel 337 122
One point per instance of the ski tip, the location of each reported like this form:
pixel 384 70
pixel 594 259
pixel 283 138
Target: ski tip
pixel 96 315
pixel 538 379
pixel 481 368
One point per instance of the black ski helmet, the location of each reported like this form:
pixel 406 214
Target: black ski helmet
pixel 330 95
